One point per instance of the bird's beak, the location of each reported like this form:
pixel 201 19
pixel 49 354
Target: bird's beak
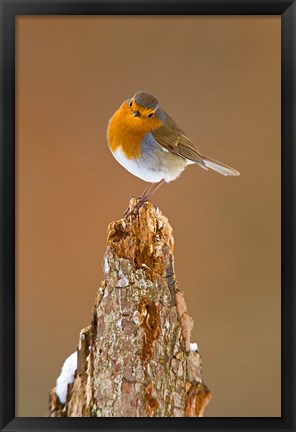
pixel 137 114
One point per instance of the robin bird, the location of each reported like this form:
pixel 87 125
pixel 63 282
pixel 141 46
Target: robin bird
pixel 147 142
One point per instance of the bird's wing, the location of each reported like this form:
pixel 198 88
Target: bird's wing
pixel 173 139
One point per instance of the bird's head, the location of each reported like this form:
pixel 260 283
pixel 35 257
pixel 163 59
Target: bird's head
pixel 143 111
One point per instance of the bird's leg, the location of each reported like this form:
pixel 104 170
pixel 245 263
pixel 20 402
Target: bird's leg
pixel 148 192
pixel 127 211
pixel 146 189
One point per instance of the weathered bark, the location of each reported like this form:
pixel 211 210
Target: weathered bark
pixel 135 358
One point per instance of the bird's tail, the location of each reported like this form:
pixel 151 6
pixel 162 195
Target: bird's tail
pixel 219 167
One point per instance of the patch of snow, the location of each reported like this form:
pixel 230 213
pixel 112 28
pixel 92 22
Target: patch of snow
pixel 106 266
pixel 122 281
pixel 119 322
pixel 66 377
pixel 193 346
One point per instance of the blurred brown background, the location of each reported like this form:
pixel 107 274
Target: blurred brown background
pixel 219 78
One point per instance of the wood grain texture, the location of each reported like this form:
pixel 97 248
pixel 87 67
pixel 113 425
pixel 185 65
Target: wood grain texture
pixel 134 360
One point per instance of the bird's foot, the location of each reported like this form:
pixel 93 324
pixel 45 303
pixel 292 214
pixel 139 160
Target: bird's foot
pixel 135 209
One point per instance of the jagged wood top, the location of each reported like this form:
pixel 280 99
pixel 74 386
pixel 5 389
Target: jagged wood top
pixel 138 362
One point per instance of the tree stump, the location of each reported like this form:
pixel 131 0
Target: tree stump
pixel 135 359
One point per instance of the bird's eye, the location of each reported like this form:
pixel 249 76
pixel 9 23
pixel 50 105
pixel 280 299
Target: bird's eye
pixel 130 104
pixel 150 115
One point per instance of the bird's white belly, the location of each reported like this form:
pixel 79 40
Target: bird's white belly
pixel 138 167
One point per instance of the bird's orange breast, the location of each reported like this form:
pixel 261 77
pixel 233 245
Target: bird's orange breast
pixel 127 133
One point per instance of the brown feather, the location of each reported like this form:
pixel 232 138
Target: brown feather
pixel 172 138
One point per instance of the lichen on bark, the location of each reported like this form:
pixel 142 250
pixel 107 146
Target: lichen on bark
pixel 134 360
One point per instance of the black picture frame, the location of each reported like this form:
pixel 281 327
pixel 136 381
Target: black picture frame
pixel 9 10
